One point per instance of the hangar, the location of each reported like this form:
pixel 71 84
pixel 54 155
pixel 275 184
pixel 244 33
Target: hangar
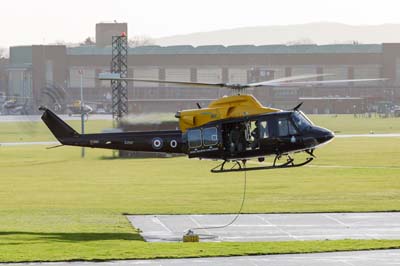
pixel 32 68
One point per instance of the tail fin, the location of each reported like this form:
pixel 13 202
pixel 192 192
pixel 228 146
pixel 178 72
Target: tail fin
pixel 57 126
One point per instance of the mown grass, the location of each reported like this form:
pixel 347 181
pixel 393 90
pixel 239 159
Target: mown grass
pixel 27 131
pixel 57 206
pixel 119 246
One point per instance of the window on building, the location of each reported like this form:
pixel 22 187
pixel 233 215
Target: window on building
pixel 88 77
pixel 49 71
pixel 20 82
pixel 146 73
pixel 212 75
pixel 105 83
pixel 237 75
pixel 179 74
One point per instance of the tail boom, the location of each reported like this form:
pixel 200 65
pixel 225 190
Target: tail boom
pixel 149 141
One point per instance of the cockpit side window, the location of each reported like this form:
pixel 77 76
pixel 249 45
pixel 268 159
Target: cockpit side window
pixel 285 127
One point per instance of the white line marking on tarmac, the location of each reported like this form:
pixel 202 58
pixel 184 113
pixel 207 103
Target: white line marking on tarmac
pixel 199 225
pixel 347 262
pixel 335 219
pixel 276 226
pixel 158 221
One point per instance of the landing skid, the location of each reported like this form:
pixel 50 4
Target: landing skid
pixel 241 165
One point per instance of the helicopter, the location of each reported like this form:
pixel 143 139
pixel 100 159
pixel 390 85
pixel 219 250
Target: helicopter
pixel 16 107
pixel 77 108
pixel 233 128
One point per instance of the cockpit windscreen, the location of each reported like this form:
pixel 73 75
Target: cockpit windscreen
pixel 301 120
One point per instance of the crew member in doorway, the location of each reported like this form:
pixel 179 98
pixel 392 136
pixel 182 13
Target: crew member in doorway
pixel 256 136
pixel 237 139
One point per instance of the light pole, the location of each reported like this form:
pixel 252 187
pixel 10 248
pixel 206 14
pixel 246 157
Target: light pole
pixel 82 112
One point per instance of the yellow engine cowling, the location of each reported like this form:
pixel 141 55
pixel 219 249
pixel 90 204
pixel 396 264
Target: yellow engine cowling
pixel 225 107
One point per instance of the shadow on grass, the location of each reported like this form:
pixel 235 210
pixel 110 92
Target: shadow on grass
pixel 75 237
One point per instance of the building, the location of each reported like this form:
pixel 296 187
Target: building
pixel 105 32
pixel 3 75
pixel 33 68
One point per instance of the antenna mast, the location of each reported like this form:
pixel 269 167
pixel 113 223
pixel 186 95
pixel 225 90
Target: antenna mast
pixel 119 64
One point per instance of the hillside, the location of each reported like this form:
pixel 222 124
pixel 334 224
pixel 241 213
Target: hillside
pixel 319 33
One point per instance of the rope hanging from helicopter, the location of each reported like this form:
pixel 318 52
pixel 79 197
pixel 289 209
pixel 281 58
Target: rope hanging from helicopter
pixel 191 231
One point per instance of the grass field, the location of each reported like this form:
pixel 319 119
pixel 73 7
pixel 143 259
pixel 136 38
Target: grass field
pixel 37 130
pixel 56 206
pixel 348 124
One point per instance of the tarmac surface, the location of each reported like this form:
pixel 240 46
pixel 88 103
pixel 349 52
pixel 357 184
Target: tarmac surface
pixel 270 227
pixel 357 258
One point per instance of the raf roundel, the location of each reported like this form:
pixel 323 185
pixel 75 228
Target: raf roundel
pixel 157 143
pixel 173 143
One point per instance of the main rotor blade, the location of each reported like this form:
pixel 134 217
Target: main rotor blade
pixel 318 82
pixel 186 83
pixel 281 82
pixel 116 76
pixel 285 79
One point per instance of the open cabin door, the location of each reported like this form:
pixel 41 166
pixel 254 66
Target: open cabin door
pixel 204 142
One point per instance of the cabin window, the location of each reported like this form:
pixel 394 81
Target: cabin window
pixel 264 133
pixel 285 128
pixel 210 136
pixel 194 138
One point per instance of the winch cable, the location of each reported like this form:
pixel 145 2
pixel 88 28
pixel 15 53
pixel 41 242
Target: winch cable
pixel 209 236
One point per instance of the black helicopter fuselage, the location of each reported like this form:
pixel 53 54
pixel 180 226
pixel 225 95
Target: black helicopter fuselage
pixel 229 139
pixel 255 136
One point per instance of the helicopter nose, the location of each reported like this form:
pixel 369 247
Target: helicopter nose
pixel 325 135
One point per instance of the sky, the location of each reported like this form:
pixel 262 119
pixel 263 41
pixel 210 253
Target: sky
pixel 25 22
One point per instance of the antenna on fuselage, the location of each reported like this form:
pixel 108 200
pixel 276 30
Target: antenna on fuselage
pixel 298 106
